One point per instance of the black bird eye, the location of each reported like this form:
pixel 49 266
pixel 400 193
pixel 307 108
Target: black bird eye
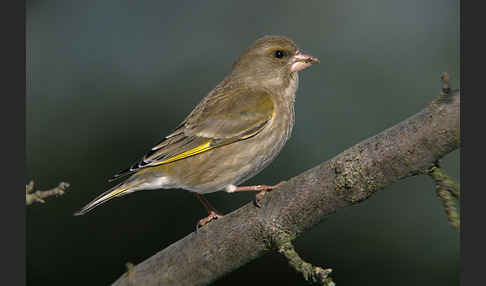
pixel 279 54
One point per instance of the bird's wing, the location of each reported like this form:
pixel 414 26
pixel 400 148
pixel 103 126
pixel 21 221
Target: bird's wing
pixel 220 119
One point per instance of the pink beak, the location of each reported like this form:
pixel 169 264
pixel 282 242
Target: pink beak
pixel 301 61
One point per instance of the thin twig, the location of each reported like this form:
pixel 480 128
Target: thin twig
pixel 313 274
pixel 39 196
pixel 447 189
pixel 445 78
pixel 445 91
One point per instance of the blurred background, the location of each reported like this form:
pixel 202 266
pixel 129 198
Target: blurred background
pixel 106 80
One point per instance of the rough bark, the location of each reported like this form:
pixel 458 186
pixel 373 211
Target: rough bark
pixel 406 149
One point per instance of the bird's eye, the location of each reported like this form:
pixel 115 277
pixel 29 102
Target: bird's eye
pixel 279 54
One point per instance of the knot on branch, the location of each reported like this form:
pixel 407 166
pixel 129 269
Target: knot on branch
pixel 445 95
pixel 351 180
pixel 129 273
pixel 444 77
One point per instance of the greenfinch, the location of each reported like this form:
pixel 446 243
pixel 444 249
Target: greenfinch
pixel 231 135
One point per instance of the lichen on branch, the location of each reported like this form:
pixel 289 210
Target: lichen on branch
pixel 448 191
pixel 314 274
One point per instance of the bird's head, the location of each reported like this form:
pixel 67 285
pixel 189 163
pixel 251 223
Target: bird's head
pixel 271 61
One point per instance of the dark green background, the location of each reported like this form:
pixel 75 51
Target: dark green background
pixel 106 80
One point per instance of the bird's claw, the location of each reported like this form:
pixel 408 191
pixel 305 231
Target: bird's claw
pixel 258 197
pixel 263 191
pixel 212 215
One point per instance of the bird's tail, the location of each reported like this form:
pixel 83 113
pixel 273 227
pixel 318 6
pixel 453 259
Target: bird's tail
pixel 116 191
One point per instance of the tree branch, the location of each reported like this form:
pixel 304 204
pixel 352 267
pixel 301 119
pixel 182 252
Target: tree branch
pixel 406 149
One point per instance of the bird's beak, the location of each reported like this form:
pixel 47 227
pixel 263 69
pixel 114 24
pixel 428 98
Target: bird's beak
pixel 300 61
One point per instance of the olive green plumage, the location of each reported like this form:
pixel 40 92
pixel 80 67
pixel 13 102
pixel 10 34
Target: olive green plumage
pixel 232 134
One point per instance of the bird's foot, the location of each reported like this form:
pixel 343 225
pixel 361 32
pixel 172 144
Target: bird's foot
pixel 263 189
pixel 212 215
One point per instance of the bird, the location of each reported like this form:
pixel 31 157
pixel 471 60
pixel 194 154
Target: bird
pixel 234 132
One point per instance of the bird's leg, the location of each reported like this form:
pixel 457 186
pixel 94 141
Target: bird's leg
pixel 213 213
pixel 261 188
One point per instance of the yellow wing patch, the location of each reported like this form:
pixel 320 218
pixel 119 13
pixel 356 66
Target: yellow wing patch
pixel 111 194
pixel 199 149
